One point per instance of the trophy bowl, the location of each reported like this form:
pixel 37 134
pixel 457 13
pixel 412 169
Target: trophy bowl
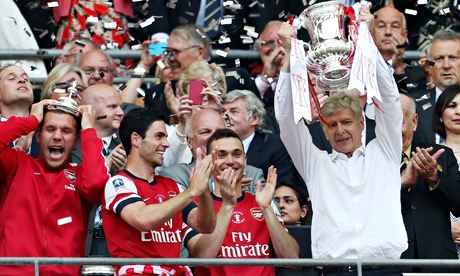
pixel 331 53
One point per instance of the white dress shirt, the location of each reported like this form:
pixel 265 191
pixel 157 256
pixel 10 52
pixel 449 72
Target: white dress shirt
pixel 356 200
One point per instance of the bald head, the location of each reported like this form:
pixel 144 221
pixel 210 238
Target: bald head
pixel 106 103
pixel 388 29
pixel 97 66
pixel 201 126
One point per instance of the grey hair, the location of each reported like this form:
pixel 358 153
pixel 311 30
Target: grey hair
pixel 340 101
pixel 254 105
pixel 196 35
pixel 444 35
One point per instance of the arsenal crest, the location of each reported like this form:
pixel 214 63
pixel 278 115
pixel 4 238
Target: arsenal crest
pixel 70 175
pixel 257 213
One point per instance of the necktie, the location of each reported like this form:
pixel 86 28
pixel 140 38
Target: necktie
pixel 212 14
pixel 105 150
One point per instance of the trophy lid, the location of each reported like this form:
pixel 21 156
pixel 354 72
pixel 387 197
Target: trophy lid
pixel 67 104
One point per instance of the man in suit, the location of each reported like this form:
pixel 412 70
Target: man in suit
pixel 106 103
pixel 430 190
pixel 390 35
pixel 244 113
pixel 444 69
pixel 199 128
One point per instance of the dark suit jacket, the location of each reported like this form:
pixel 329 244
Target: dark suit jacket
pixel 76 153
pixel 425 101
pixel 266 150
pixel 158 102
pixel 320 141
pixel 426 213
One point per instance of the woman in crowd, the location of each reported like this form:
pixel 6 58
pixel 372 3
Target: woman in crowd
pixel 446 123
pixel 181 107
pixel 293 204
pixel 63 76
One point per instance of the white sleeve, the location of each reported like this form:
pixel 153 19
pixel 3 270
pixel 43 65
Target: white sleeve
pixel 120 191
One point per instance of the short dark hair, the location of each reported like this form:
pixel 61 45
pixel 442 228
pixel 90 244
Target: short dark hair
pixel 220 134
pixel 76 118
pixel 137 120
pixel 441 104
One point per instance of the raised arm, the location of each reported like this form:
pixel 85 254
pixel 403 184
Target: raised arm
pixel 296 137
pixel 208 245
pixel 93 173
pixel 285 245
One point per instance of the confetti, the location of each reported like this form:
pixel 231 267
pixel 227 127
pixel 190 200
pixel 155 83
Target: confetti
pixel 147 22
pixel 110 25
pixel 137 1
pixel 253 34
pixel 27 32
pixel 237 62
pixel 141 92
pixel 226 21
pixel 43 34
pixel 253 4
pixel 224 39
pixel 249 28
pixel 444 11
pixel 92 19
pixel 221 53
pixel 410 12
pixel 422 2
pixel 122 87
pixel 161 64
pixel 136 47
pixel 53 4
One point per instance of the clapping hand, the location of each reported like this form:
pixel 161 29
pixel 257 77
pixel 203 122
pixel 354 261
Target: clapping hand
pixel 264 195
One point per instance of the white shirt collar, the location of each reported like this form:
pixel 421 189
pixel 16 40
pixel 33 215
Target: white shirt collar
pixel 247 142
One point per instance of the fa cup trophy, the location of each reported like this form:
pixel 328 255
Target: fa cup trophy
pixel 67 104
pixel 331 54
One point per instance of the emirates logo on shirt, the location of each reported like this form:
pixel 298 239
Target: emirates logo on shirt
pixel 237 217
pixel 256 213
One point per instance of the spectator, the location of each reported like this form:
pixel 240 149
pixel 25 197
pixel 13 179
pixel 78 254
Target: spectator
pixel 246 223
pixel 200 127
pixel 444 70
pixel 55 207
pixel 372 228
pixel 293 204
pixel 271 53
pixel 106 103
pixel 390 35
pixel 97 66
pixel 60 79
pixel 73 50
pixel 430 190
pixel 16 97
pixel 145 214
pixel 187 44
pixel 245 113
pixel 444 124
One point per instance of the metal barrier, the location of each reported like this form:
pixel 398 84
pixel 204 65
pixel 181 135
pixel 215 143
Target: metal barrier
pixel 36 262
pixel 135 54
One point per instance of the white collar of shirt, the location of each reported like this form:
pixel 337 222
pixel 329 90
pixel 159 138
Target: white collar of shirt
pixel 438 92
pixel 3 119
pixel 247 142
pixel 106 141
pixel 335 154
